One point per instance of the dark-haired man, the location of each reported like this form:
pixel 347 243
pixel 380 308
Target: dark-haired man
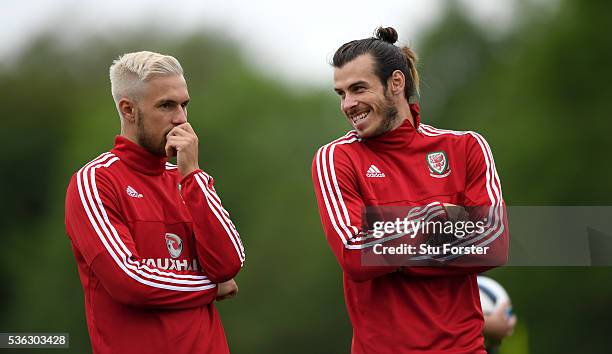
pixel 391 159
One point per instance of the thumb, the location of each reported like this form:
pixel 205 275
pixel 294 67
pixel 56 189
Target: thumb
pixel 170 150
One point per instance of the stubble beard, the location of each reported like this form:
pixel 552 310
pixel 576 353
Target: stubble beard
pixel 390 117
pixel 157 148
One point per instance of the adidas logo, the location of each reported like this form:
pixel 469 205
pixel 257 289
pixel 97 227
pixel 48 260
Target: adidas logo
pixel 374 172
pixel 132 192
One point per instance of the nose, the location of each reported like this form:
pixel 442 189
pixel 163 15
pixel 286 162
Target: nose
pixel 180 116
pixel 348 102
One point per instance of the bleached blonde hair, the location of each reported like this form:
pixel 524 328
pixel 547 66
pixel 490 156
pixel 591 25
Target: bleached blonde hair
pixel 131 71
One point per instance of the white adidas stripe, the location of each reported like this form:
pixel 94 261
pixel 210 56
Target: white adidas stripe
pixel 492 184
pixel 214 193
pixel 331 192
pixel 341 226
pixel 491 173
pixel 103 225
pixel 113 243
pixel 220 213
pixel 486 150
pixel 120 241
pixel 211 195
pixel 217 201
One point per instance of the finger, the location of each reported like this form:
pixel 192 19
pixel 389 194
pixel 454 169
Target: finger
pixel 170 150
pixel 503 307
pixel 232 293
pixel 177 142
pixel 174 144
pixel 510 325
pixel 186 127
pixel 224 297
pixel 178 139
pixel 176 131
pixel 180 130
pixel 173 149
pixel 229 295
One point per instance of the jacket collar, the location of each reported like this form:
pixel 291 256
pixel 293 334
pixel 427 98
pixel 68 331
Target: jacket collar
pixel 137 158
pixel 400 137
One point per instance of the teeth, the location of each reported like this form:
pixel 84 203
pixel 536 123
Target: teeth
pixel 359 118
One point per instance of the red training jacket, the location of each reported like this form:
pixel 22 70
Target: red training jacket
pixel 150 248
pixel 411 309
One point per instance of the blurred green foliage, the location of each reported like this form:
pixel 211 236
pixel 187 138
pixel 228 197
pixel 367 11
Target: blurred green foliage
pixel 540 94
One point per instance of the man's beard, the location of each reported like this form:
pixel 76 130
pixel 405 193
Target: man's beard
pixel 390 117
pixel 157 148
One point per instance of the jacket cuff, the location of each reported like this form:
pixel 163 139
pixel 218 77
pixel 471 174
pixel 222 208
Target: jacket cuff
pixel 190 175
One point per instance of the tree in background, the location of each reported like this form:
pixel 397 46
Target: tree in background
pixel 539 94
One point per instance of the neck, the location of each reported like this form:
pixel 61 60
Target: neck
pixel 129 133
pixel 403 111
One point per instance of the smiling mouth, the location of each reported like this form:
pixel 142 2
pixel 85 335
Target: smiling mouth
pixel 358 118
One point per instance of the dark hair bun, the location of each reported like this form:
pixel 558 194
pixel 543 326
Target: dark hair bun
pixel 387 34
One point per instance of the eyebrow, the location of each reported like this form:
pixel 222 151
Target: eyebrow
pixel 362 83
pixel 171 101
pixel 351 86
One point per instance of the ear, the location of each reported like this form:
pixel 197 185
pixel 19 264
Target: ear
pixel 396 83
pixel 127 109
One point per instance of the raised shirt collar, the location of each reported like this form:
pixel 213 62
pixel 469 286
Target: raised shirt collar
pixel 399 137
pixel 137 157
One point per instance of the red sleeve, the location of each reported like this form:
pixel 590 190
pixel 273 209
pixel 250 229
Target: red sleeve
pixel 99 234
pixel 484 201
pixel 219 248
pixel 340 208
